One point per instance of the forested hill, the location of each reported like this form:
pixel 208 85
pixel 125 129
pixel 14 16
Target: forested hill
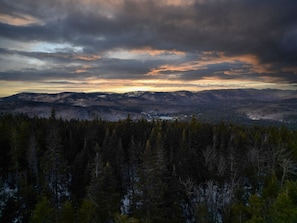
pixel 232 105
pixel 54 170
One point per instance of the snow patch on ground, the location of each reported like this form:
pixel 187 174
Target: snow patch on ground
pixel 260 116
pixel 6 192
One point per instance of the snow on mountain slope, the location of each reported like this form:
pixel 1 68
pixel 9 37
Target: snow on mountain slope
pixel 233 104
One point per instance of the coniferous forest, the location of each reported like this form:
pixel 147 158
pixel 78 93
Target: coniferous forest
pixel 53 170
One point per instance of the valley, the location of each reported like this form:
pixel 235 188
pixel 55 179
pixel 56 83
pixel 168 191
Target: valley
pixel 247 106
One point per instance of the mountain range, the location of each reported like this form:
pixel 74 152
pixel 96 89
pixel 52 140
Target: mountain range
pixel 236 105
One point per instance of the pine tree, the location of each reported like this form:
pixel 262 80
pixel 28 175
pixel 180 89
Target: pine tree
pixel 103 190
pixel 32 157
pixel 55 168
pixel 66 213
pixel 43 212
pixel 151 183
pixel 255 209
pixel 284 209
pixel 130 178
pixel 87 212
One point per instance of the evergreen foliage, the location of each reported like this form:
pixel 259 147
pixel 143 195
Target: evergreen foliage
pixel 53 170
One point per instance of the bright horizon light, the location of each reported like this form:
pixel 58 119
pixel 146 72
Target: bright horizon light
pixel 167 45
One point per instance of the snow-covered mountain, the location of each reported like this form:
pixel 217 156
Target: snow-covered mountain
pixel 234 104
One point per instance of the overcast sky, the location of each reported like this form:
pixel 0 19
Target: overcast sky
pixel 160 45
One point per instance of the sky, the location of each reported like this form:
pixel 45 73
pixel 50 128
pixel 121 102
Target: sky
pixel 54 46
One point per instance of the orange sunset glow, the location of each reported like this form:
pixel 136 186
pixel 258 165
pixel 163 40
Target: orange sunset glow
pixel 127 45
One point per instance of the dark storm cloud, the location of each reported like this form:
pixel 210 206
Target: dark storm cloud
pixel 42 9
pixel 30 33
pixel 31 75
pixel 118 68
pixel 65 66
pixel 266 29
pixel 219 70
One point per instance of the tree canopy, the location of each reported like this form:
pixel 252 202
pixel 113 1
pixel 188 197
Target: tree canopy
pixel 54 170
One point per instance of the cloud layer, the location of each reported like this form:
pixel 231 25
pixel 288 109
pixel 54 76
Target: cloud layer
pixel 167 45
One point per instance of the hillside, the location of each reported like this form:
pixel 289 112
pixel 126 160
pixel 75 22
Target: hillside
pixel 239 105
